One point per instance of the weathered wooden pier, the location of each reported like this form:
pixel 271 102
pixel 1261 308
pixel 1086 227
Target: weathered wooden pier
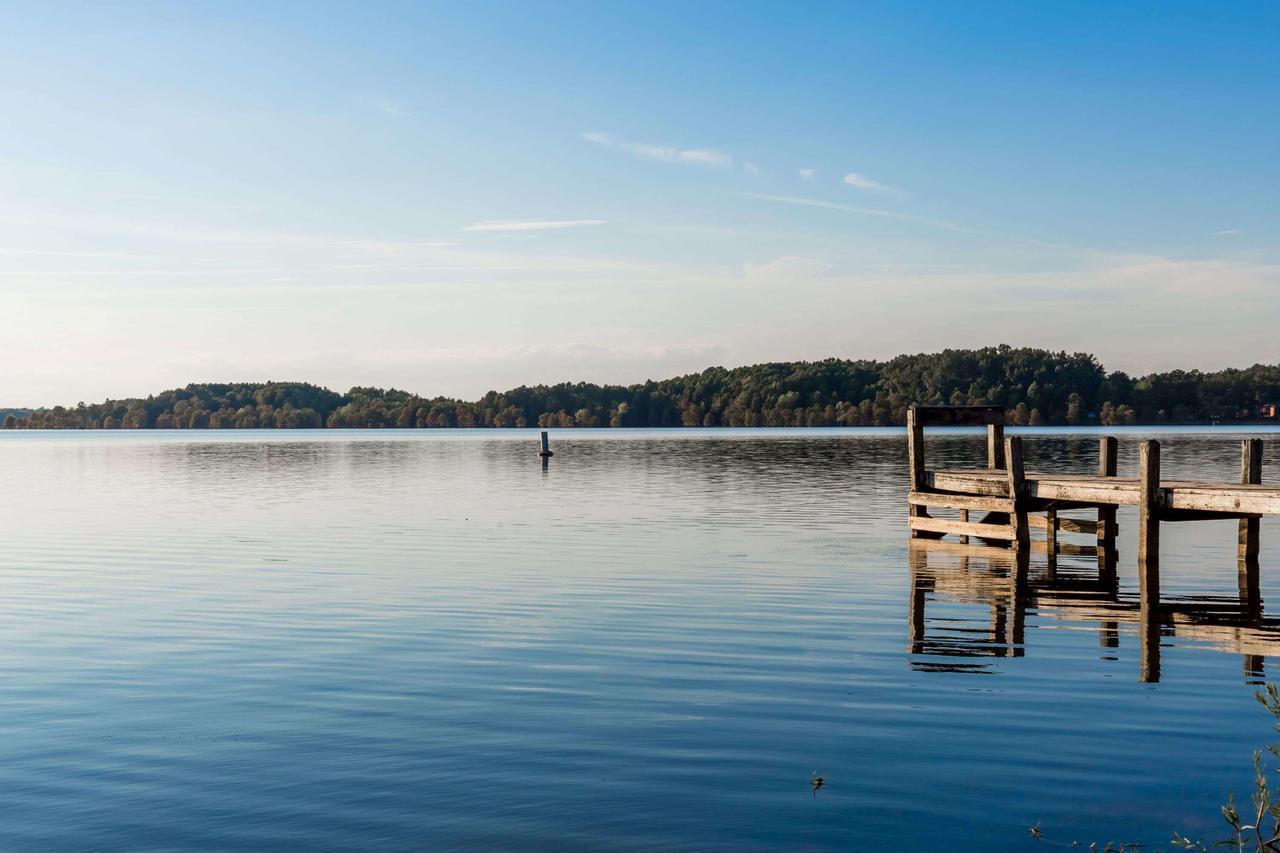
pixel 1012 500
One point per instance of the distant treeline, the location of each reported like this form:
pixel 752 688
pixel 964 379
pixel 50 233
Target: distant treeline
pixel 1035 386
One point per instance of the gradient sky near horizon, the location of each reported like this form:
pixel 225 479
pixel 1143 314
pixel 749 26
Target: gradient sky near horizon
pixel 453 198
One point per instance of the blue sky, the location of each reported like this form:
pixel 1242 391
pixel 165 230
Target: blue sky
pixel 451 198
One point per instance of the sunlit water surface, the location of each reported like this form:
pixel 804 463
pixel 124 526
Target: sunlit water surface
pixel 342 640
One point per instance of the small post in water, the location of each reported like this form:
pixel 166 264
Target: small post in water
pixel 546 446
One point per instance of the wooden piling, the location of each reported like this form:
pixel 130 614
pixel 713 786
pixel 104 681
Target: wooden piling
pixel 1107 455
pixel 1149 526
pixel 1250 473
pixel 995 446
pixel 915 464
pixel 1017 475
pixel 546 446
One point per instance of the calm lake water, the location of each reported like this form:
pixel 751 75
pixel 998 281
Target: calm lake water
pixel 403 640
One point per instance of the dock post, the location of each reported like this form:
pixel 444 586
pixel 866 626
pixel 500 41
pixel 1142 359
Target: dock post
pixel 546 446
pixel 1149 527
pixel 1107 455
pixel 1017 491
pixel 1149 617
pixel 995 446
pixel 1250 473
pixel 915 462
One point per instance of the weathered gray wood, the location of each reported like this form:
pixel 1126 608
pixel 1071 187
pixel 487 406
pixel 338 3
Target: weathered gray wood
pixel 1250 472
pixel 1208 497
pixel 964 502
pixel 1016 475
pixel 990 483
pixel 995 447
pixel 967 528
pixel 1149 526
pixel 943 416
pixel 1088 489
pixel 1108 456
pixel 915 464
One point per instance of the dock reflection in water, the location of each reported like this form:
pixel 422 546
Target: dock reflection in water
pixel 944 637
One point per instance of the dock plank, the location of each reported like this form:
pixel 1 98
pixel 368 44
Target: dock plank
pixel 1227 498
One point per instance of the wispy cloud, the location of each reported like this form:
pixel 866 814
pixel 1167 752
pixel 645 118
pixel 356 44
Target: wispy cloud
pixel 750 168
pixel 786 268
pixel 1227 232
pixel 808 174
pixel 705 156
pixel 390 106
pixel 862 182
pixel 865 211
pixel 667 153
pixel 531 224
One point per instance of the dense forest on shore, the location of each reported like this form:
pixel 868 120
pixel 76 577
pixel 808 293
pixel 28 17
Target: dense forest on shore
pixel 1036 386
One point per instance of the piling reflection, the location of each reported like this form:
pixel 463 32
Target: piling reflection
pixel 950 580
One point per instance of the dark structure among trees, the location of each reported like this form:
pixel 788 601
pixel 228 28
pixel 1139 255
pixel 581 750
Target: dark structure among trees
pixel 1034 386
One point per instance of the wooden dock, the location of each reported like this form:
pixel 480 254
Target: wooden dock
pixel 1012 500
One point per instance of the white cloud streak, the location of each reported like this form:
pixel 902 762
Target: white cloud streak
pixel 531 224
pixel 666 153
pixel 862 182
pixel 808 174
pixel 865 211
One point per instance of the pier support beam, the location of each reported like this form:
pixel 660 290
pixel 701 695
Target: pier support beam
pixel 1017 476
pixel 1250 473
pixel 1149 527
pixel 1107 454
pixel 1149 621
pixel 995 446
pixel 915 463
